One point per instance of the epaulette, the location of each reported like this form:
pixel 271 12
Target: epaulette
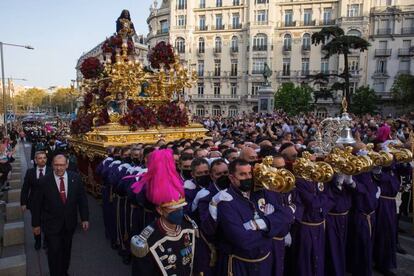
pixel 193 223
pixel 139 243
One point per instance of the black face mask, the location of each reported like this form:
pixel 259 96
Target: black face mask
pixel 136 161
pixel 127 160
pixel 223 182
pixel 246 185
pixel 176 217
pixel 203 180
pixel 186 174
pixel 117 158
pixel 253 163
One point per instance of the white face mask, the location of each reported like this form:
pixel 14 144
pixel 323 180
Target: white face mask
pixel 362 152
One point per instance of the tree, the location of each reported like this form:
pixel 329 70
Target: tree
pixel 403 90
pixel 364 101
pixel 335 42
pixel 294 99
pixel 63 98
pixel 31 98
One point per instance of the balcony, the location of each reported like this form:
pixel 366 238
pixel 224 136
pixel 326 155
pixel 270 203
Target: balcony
pixel 380 74
pixel 229 98
pixel 233 74
pixel 306 49
pixel 386 31
pixel 218 27
pixel 252 98
pixel 327 22
pixel 200 74
pixel 261 22
pixel 237 26
pixel 201 28
pixel 383 52
pixel 407 30
pixel 286 49
pixel 289 24
pixel 234 50
pixel 217 51
pixel 200 52
pixel 353 18
pixel 259 47
pixel 162 31
pixel 304 73
pixel 309 23
pixel 404 72
pixel 257 72
pixel 405 52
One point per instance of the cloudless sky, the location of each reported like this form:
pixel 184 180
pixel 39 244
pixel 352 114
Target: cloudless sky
pixel 60 31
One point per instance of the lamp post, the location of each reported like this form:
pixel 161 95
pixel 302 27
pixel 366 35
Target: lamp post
pixel 3 80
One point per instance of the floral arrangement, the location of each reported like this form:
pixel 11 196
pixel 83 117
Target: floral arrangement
pixel 139 117
pixel 115 42
pixel 82 124
pixel 87 99
pixel 91 68
pixel 102 118
pixel 162 53
pixel 172 115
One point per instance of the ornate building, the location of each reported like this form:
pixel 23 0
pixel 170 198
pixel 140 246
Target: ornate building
pixel 228 42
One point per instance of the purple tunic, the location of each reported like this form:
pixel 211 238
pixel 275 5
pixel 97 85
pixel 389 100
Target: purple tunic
pixel 309 240
pixel 361 225
pixel 385 245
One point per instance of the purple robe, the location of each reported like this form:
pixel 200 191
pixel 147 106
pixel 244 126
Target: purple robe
pixel 191 189
pixel 385 245
pixel 237 244
pixel 361 225
pixel 309 240
pixel 337 229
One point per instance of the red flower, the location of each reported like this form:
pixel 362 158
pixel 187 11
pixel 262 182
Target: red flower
pixel 139 117
pixel 171 115
pixel 161 53
pixel 91 68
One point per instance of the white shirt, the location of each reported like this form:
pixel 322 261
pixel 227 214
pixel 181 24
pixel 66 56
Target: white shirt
pixel 38 171
pixel 65 180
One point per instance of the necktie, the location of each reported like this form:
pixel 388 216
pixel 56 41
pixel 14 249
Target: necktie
pixel 40 173
pixel 62 190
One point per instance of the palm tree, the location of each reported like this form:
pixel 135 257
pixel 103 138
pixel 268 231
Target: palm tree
pixel 335 42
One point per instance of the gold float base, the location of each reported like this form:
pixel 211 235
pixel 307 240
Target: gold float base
pixel 95 142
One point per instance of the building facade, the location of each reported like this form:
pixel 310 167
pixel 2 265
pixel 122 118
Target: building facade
pixel 228 42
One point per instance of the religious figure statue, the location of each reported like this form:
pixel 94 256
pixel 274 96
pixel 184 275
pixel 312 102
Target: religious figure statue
pixel 124 25
pixel 119 105
pixel 267 73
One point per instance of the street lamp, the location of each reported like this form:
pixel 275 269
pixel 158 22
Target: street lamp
pixel 2 77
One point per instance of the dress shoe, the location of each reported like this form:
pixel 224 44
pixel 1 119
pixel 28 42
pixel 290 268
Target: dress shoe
pixel 38 244
pixel 401 250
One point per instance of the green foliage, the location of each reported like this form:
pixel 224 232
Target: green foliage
pixel 30 99
pixel 403 90
pixel 64 99
pixel 364 101
pixel 294 99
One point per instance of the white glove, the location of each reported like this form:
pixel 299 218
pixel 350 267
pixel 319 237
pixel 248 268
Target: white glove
pixel 213 211
pixel 289 198
pixel 221 196
pixel 288 240
pixel 269 209
pixel 202 193
pixel 340 179
pixel 348 179
pixel 377 195
pixel 292 207
pixel 255 225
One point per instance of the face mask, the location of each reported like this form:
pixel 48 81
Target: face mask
pixel 127 160
pixel 253 163
pixel 136 161
pixel 117 158
pixel 223 182
pixel 186 174
pixel 176 217
pixel 203 180
pixel 246 185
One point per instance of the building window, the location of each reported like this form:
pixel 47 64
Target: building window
pixel 381 66
pixel 324 66
pixel 307 17
pixel 236 21
pixel 288 18
pixel 233 89
pixel 352 87
pixel 236 2
pixel 261 17
pixel 255 87
pixel 353 10
pixel 216 89
pixel 217 67
pixel 216 110
pixel 233 112
pixel 260 42
pixel 219 22
pixel 200 70
pixel 406 44
pixel 305 66
pixel 200 110
pixel 219 3
pixel 181 20
pixel 327 16
pixel 233 71
pixel 202 23
pixel 180 45
pixel 384 27
pixel 258 65
pixel 182 4
pixel 379 87
pixel 202 4
pixel 217 45
pixel 164 26
pixel 287 42
pixel 261 1
pixel 234 44
pixel 201 45
pixel 306 42
pixel 200 89
pixel 354 33
pixel 286 67
pixel 354 66
pixel 404 66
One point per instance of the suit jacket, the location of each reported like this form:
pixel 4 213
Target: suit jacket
pixel 30 185
pixel 48 209
pixel 51 153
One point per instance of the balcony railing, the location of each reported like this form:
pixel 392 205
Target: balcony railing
pixel 237 26
pixel 327 22
pixel 407 30
pixel 162 31
pixel 309 23
pixel 218 27
pixel 405 52
pixel 217 50
pixel 383 52
pixel 216 97
pixel 353 18
pixel 304 73
pixel 202 28
pixel 385 31
pixel 200 51
pixel 287 48
pixel 234 50
pixel 289 24
pixel 259 47
pixel 306 48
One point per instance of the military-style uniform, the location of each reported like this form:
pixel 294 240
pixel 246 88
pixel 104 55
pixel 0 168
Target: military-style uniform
pixel 162 254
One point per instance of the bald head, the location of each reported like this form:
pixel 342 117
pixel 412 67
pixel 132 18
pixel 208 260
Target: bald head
pixel 248 154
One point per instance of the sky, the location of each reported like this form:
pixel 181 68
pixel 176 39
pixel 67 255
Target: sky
pixel 60 31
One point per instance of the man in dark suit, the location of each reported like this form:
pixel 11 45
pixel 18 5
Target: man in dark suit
pixel 30 183
pixel 59 196
pixel 51 150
